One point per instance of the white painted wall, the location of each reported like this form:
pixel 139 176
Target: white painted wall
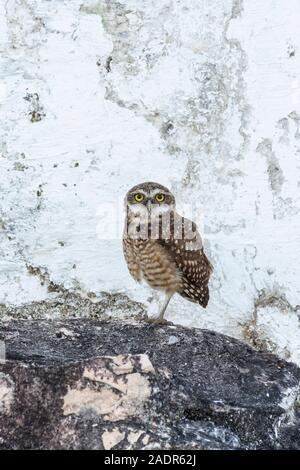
pixel 201 96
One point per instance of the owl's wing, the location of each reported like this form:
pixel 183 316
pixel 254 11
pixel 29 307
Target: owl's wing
pixel 188 254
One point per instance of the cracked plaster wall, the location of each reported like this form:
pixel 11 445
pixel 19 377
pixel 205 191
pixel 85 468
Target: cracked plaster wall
pixel 201 96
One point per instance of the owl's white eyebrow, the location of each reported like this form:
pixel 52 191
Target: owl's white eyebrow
pixel 157 191
pixel 138 190
pixel 150 193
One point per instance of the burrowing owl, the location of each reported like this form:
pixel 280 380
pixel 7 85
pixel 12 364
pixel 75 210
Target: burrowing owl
pixel 162 247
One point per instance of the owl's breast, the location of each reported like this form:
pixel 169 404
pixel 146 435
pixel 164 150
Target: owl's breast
pixel 157 267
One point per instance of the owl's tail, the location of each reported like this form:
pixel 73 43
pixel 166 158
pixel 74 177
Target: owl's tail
pixel 197 294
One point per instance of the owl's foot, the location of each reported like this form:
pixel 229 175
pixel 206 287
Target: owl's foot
pixel 158 321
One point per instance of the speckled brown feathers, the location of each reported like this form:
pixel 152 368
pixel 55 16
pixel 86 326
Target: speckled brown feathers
pixel 193 265
pixel 147 259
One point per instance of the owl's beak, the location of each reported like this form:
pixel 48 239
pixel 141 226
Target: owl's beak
pixel 149 206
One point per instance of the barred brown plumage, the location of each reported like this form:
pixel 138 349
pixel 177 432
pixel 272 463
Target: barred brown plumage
pixel 164 248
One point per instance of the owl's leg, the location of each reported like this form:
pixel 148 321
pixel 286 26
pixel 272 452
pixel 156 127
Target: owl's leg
pixel 160 319
pixel 164 307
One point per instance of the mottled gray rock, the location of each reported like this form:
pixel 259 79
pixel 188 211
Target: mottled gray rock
pixel 85 384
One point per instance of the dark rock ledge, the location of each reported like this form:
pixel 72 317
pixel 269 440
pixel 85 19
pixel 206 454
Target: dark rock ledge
pixel 85 384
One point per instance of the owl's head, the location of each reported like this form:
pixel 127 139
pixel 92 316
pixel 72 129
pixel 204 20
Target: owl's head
pixel 149 199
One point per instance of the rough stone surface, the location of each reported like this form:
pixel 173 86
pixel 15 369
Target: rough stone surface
pixel 202 96
pixel 89 384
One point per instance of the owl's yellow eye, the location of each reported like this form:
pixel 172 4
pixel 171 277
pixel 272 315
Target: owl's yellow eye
pixel 160 197
pixel 138 197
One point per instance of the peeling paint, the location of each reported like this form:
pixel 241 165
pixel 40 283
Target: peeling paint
pixel 274 171
pixel 274 326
